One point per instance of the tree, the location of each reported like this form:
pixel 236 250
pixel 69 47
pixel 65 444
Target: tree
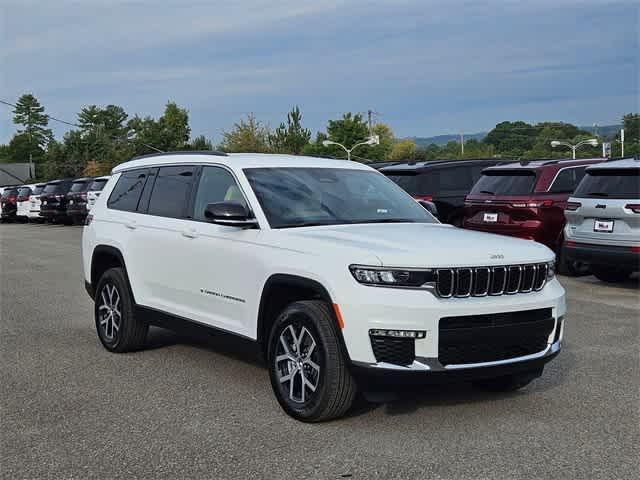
pixel 5 156
pixel 292 137
pixel 174 123
pixel 631 125
pixel 403 150
pixel 30 114
pixel 200 143
pixel 111 120
pixel 512 138
pixel 247 135
pixel 381 152
pixel 21 147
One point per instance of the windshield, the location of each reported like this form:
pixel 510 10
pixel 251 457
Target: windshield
pixel 505 182
pixel 9 192
pixel 98 185
pixel 610 183
pixel 79 186
pixel 300 197
pixel 37 190
pixel 52 188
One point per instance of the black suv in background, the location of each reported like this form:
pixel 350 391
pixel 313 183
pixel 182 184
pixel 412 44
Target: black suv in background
pixel 77 199
pixel 54 200
pixel 9 204
pixel 445 183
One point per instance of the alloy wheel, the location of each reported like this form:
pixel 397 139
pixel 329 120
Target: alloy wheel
pixel 110 313
pixel 297 363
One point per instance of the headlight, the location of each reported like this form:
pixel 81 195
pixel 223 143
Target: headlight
pixel 391 277
pixel 551 270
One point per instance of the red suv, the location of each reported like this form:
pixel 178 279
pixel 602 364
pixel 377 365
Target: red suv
pixel 525 199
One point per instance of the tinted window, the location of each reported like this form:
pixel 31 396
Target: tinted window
pixel 98 184
pixel 24 191
pixel 567 180
pixel 79 187
pixel 505 182
pixel 451 180
pixel 127 191
pixel 52 188
pixel 216 185
pixel 407 181
pixel 171 191
pixel 601 183
pixel 298 197
pixel 38 190
pixel 11 191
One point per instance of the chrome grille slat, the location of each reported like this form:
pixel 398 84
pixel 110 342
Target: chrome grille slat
pixel 463 282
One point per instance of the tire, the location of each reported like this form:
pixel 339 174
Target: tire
pixel 114 298
pixel 508 383
pixel 609 274
pixel 311 393
pixel 566 267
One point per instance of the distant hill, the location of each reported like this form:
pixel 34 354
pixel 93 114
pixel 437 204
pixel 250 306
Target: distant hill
pixel 606 131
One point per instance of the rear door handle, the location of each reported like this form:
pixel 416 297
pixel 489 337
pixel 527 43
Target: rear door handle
pixel 131 225
pixel 190 233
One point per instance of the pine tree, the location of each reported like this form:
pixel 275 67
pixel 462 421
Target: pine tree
pixel 292 137
pixel 30 114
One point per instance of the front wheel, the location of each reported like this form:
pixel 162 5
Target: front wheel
pixel 308 369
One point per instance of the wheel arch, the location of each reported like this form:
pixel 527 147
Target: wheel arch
pixel 103 258
pixel 279 291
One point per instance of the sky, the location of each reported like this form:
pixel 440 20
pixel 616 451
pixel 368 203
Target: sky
pixel 425 67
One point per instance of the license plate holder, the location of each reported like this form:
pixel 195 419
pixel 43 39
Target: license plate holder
pixel 490 217
pixel 603 226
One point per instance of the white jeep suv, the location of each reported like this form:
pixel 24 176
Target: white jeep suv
pixel 343 280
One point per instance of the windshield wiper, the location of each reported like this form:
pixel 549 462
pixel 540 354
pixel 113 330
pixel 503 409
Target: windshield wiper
pixel 598 194
pixel 487 192
pixel 384 220
pixel 306 224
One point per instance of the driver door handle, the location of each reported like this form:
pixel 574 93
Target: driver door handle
pixel 132 225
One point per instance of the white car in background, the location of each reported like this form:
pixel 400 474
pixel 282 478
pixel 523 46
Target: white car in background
pixel 94 190
pixel 34 202
pixel 23 201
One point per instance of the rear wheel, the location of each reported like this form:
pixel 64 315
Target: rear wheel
pixel 610 274
pixel 568 267
pixel 308 369
pixel 118 328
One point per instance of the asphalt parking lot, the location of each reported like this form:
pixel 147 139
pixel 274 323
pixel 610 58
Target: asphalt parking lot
pixel 203 408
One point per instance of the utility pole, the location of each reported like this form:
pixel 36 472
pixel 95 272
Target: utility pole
pixel 370 114
pixel 29 126
pixel 622 141
pixel 461 143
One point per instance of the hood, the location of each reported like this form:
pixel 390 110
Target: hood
pixel 421 244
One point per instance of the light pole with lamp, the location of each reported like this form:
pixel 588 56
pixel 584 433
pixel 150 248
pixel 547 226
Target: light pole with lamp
pixel 372 140
pixel 592 141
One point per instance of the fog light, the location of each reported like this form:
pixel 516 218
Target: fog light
pixel 398 333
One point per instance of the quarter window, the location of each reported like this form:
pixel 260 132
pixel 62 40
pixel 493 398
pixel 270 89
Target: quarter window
pixel 126 193
pixel 171 191
pixel 216 185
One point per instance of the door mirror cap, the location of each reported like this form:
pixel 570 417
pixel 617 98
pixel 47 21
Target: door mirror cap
pixel 230 214
pixel 429 207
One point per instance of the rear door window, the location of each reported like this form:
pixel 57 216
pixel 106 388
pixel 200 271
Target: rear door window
pixel 610 183
pixel 567 179
pixel 505 182
pixel 98 184
pixel 172 191
pixel 126 193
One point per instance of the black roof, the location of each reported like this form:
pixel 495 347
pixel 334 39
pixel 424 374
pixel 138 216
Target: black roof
pixel 60 180
pixel 423 165
pixel 82 179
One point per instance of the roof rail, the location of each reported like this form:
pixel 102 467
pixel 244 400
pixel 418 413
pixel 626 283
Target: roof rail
pixel 185 152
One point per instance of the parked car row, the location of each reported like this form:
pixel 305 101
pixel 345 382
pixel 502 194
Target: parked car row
pixel 528 200
pixel 65 200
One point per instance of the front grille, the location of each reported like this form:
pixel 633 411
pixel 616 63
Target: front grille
pixel 488 338
pixel 399 351
pixel 482 281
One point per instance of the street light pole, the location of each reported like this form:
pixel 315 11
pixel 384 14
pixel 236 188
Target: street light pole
pixel 372 140
pixel 592 141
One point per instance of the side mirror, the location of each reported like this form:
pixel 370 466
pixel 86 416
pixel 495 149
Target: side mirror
pixel 429 207
pixel 231 214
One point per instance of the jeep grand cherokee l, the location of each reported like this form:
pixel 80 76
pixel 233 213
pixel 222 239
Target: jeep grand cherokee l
pixel 53 200
pixel 526 200
pixel 335 271
pixel 603 220
pixel 77 199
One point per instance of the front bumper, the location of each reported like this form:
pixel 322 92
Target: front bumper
pixel 370 308
pixel 606 255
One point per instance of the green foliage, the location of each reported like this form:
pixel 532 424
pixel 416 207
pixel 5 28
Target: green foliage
pixel 5 156
pixel 30 115
pixel 631 125
pixel 247 135
pixel 292 137
pixel 200 143
pixel 403 150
